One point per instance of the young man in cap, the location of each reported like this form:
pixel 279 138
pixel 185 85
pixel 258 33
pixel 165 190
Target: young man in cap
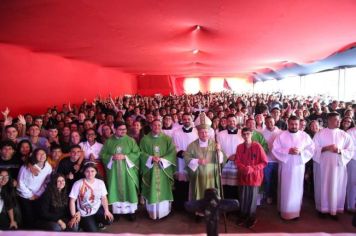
pixel 250 161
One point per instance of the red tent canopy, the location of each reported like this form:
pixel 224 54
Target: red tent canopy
pixel 158 37
pixel 110 42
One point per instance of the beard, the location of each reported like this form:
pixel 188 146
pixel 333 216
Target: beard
pixel 186 125
pixel 293 130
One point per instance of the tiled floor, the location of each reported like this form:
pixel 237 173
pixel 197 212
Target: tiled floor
pixel 268 221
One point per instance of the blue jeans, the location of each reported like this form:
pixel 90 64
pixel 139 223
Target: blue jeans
pixel 90 223
pixel 270 180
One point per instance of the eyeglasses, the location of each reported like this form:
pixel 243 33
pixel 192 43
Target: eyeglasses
pixel 90 134
pixel 4 177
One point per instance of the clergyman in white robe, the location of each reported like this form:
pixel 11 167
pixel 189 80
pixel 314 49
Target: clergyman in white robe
pixel 229 139
pixel 332 174
pixel 291 170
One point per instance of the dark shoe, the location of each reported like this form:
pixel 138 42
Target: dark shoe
pixel 116 217
pixel 322 215
pixel 334 217
pixel 250 223
pixel 101 226
pixel 131 217
pixel 198 218
pixel 240 221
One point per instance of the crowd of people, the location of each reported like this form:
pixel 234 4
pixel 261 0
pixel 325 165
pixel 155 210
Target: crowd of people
pixel 79 167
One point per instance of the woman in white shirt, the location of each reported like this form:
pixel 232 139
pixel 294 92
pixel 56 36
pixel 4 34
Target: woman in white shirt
pixel 32 182
pixel 91 149
pixel 90 195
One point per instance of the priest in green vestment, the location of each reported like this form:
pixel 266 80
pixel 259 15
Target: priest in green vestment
pixel 158 161
pixel 120 155
pixel 202 157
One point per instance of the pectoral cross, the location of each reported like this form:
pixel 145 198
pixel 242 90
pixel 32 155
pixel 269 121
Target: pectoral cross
pixel 199 109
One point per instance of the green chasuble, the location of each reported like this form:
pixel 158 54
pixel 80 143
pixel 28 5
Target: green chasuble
pixel 122 175
pixel 258 137
pixel 157 182
pixel 205 176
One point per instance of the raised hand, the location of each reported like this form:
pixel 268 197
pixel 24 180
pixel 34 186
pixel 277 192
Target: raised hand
pixel 21 119
pixel 6 112
pixel 8 121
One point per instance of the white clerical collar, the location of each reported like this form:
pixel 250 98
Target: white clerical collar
pixel 203 144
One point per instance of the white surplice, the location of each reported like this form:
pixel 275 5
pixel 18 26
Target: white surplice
pixel 181 140
pixel 331 177
pixel 270 136
pixel 291 170
pixel 168 132
pixel 229 144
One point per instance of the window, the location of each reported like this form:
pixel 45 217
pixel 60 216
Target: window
pixel 338 84
pixel 239 85
pixel 270 86
pixel 216 85
pixel 258 87
pixel 350 84
pixel 325 83
pixel 290 85
pixel 191 85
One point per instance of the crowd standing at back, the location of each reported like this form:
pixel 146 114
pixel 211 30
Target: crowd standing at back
pixel 81 166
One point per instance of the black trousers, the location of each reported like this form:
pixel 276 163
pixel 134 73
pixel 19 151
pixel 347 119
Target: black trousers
pixel 230 192
pixel 180 194
pixel 4 221
pixel 28 211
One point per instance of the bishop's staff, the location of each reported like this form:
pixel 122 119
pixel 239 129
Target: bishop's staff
pixel 218 149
